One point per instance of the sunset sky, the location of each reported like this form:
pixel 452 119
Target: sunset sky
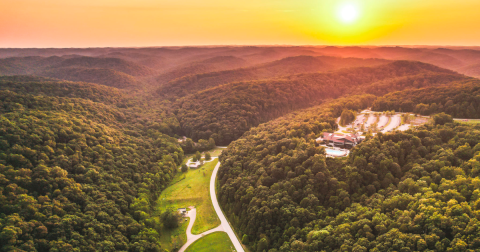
pixel 101 23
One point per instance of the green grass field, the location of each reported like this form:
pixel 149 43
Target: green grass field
pixel 216 152
pixel 218 242
pixel 192 189
pixel 177 235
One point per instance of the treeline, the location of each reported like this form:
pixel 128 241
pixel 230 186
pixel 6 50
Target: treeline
pixel 78 175
pixel 224 113
pixel 459 99
pixel 407 191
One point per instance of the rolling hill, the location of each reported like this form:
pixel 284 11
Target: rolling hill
pixel 225 112
pixel 287 66
pixel 104 76
pixel 214 64
pixel 471 70
pixel 116 64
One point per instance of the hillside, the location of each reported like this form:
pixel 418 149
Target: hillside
pixel 116 64
pixel 227 111
pixel 26 65
pixel 281 193
pixel 287 66
pixel 458 99
pixel 77 174
pixel 107 77
pixel 471 70
pixel 40 86
pixel 214 64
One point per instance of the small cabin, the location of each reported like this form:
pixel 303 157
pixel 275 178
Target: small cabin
pixel 182 211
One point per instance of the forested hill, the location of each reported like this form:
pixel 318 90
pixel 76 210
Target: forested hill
pixel 112 72
pixel 291 65
pixel 227 111
pixel 458 99
pixel 77 172
pixel 107 77
pixel 213 64
pixel 86 149
pixel 110 63
pixel 40 86
pixel 407 191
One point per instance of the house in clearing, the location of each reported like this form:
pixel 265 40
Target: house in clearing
pixel 339 139
pixel 182 211
pixel 194 165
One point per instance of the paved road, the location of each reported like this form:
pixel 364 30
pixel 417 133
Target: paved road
pixel 226 226
pixel 191 238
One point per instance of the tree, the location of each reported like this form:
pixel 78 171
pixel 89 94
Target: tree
pixel 245 239
pixel 347 117
pixel 170 218
pixel 198 156
pixel 262 245
pixel 208 156
pixel 184 168
pixel 442 118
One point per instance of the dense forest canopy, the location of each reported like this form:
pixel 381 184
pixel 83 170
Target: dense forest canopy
pixel 459 99
pixel 191 83
pixel 225 112
pixel 408 191
pixel 74 175
pixel 90 137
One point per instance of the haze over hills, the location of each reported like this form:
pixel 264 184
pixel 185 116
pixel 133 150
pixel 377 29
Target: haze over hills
pixel 287 66
pixel 90 138
pixel 225 112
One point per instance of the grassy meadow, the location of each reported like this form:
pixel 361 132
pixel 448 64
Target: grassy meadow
pixel 218 242
pixel 192 189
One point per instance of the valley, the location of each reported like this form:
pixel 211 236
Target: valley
pixel 105 148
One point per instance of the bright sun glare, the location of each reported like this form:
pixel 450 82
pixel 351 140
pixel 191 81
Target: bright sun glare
pixel 348 13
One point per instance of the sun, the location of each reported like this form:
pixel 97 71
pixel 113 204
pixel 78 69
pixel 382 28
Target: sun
pixel 348 13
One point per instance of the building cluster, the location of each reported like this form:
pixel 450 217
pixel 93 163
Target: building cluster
pixel 348 140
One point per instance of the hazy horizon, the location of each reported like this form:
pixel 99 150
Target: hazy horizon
pixel 147 23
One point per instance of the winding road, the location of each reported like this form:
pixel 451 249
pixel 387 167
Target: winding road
pixel 224 226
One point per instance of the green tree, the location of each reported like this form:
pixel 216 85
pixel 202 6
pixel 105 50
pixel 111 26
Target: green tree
pixel 170 218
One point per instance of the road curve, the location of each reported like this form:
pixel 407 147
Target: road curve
pixel 191 238
pixel 226 226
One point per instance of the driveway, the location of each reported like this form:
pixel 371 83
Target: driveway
pixel 224 226
pixel 191 238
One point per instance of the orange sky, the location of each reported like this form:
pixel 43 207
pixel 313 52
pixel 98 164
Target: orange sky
pixel 101 23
